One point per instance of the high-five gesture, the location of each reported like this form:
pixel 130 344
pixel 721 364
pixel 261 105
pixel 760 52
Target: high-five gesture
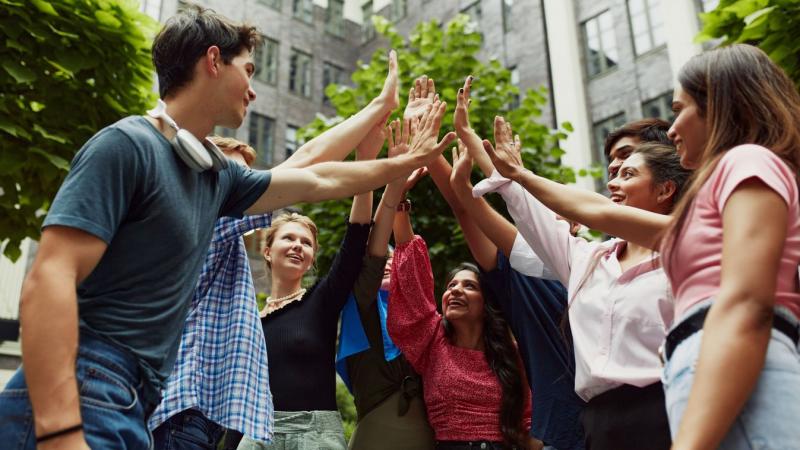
pixel 399 136
pixel 419 97
pixel 506 157
pixel 462 167
pixel 423 143
pixel 461 115
pixel 390 94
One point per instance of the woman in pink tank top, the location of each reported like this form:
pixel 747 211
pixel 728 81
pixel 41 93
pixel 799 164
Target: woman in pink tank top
pixel 731 250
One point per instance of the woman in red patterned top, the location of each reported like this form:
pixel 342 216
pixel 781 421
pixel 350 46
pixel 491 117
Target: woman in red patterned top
pixel 474 385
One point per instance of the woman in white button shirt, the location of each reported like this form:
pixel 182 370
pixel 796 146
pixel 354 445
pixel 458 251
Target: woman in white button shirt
pixel 620 305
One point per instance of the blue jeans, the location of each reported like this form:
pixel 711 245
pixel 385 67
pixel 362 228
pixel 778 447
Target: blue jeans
pixel 110 389
pixel 188 430
pixel 769 419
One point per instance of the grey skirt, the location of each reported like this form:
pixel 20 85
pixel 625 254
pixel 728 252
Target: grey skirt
pixel 302 430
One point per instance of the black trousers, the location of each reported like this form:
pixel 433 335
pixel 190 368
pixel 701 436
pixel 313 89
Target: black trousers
pixel 627 418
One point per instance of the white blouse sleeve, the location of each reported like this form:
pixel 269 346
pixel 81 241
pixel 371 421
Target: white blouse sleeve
pixel 548 237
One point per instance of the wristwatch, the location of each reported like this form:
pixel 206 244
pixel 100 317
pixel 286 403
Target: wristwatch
pixel 405 205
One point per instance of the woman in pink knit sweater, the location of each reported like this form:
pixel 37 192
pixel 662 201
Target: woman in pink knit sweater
pixel 474 384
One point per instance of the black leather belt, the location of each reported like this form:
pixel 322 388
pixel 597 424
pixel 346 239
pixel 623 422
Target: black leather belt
pixel 694 323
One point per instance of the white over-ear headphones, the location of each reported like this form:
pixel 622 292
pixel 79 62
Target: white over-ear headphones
pixel 199 156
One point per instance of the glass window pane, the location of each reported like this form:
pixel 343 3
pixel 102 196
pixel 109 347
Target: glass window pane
pixel 260 137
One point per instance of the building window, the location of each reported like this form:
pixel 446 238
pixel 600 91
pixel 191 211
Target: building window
pixel 334 21
pixel 659 107
pixel 474 12
pixel 399 10
pixel 291 141
pixel 266 61
pixel 515 82
pixel 507 7
pixel 300 73
pixel 225 132
pixel 600 43
pixel 274 4
pixel 601 130
pixel 707 5
pixel 367 27
pixel 330 75
pixel 303 10
pixel 261 130
pixel 647 24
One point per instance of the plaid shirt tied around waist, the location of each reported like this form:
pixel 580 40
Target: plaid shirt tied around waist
pixel 221 367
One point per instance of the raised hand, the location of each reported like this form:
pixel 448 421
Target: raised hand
pixel 412 179
pixel 399 136
pixel 390 94
pixel 506 157
pixel 419 97
pixel 423 143
pixel 462 167
pixel 461 114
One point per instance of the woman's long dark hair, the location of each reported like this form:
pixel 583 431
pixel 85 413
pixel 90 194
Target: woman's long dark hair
pixel 502 356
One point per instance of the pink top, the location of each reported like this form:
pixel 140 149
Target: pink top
pixel 618 318
pixel 462 394
pixel 695 269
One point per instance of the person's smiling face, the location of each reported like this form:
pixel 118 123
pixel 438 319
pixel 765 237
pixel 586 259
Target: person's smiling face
pixel 463 298
pixel 689 131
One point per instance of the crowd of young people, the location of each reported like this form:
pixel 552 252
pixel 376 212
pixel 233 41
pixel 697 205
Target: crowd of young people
pixel 679 332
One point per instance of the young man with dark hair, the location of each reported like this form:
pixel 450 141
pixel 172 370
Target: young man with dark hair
pixel 619 144
pixel 104 303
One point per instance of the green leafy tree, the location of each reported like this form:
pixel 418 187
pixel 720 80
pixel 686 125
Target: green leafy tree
pixel 772 25
pixel 446 54
pixel 69 68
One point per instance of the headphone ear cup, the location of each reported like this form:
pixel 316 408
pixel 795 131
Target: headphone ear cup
pixel 218 159
pixel 191 151
pixel 185 156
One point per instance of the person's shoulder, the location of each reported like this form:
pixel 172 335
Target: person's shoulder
pixel 138 130
pixel 129 133
pixel 750 153
pixel 754 160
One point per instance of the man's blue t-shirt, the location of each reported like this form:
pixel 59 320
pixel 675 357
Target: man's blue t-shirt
pixel 128 187
pixel 533 308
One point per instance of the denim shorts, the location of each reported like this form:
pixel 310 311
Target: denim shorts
pixel 769 419
pixel 303 430
pixel 110 390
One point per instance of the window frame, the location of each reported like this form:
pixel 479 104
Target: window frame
pixel 335 24
pixel 603 49
pixel 261 68
pixel 305 13
pixel 308 76
pixel 265 155
pixel 327 68
pixel 647 13
pixel 666 106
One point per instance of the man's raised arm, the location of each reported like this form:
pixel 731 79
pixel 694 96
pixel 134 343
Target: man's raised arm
pixel 332 180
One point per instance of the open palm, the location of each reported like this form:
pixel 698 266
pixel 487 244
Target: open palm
pixel 419 97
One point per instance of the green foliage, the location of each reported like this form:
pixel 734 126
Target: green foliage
pixel 772 25
pixel 69 68
pixel 344 402
pixel 447 54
